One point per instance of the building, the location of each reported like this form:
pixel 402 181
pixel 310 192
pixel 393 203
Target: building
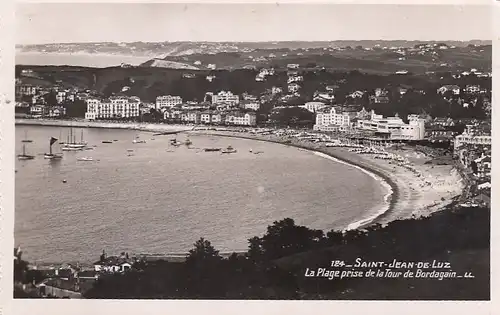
pixel 393 127
pixel 252 106
pixel 313 106
pixel 112 108
pixel 225 97
pixel 294 87
pixel 168 101
pixel 472 89
pixel 38 111
pixel 325 97
pixel 292 66
pixel 25 89
pixel 455 89
pixel 211 66
pixel 241 119
pixel 113 264
pixel 471 137
pixel 329 120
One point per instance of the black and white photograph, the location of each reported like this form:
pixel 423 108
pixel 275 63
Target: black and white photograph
pixel 224 151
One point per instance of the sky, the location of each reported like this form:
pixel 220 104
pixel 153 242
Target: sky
pixel 38 23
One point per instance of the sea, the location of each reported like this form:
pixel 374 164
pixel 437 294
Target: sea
pixel 155 198
pixel 82 60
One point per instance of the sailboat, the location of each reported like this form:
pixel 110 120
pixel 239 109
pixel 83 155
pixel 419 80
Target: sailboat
pixel 25 156
pixel 51 155
pixel 72 145
pixel 26 140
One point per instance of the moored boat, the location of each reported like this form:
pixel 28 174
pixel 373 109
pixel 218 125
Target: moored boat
pixel 228 150
pixel 85 158
pixel 51 155
pixel 212 149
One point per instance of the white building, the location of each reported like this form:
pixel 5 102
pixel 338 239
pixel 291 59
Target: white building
pixel 252 105
pixel 313 106
pixel 394 127
pixel 168 101
pixel 294 87
pixel 241 119
pixel 225 97
pixel 455 89
pixel 211 66
pixel 329 120
pixel 470 137
pixel 115 107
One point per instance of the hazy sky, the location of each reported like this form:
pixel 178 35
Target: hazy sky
pixel 95 22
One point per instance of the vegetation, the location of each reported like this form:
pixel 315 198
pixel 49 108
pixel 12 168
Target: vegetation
pixel 274 265
pixel 147 83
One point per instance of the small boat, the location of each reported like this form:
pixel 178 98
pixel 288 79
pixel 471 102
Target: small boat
pixel 135 141
pixel 50 155
pixel 25 156
pixel 188 142
pixel 130 150
pixel 85 158
pixel 228 150
pixel 115 140
pixel 212 149
pixel 107 141
pixel 64 181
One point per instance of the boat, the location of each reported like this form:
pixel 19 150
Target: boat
pixel 229 149
pixel 69 148
pixel 50 155
pixel 188 142
pixel 212 149
pixel 107 141
pixel 72 143
pixel 175 143
pixel 25 156
pixel 85 158
pixel 26 140
pixel 136 140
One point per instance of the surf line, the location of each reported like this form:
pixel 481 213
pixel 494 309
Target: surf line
pixel 387 197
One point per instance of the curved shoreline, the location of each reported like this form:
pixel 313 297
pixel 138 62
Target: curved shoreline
pixel 409 195
pixel 390 199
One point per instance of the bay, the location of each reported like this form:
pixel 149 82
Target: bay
pixel 162 199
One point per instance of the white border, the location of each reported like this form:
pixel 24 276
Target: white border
pixel 55 307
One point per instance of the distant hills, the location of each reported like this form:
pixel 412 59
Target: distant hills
pixel 163 49
pixel 366 55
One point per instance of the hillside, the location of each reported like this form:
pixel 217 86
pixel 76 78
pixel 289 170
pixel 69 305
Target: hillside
pixel 155 49
pixel 159 63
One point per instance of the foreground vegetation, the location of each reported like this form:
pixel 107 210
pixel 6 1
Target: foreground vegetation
pixel 275 264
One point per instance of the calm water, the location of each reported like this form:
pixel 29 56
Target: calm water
pixel 158 201
pixel 97 60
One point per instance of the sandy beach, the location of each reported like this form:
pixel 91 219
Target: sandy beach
pixel 421 191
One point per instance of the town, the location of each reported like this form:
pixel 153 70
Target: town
pixel 449 112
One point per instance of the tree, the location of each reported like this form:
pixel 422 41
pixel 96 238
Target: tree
pixel 202 252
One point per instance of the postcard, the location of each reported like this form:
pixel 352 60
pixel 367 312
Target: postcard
pixel 228 152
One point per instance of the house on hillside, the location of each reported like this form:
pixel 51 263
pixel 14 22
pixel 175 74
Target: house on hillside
pixel 113 264
pixel 455 89
pixel 293 87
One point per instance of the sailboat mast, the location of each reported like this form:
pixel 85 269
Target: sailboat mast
pixel 50 148
pixel 81 137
